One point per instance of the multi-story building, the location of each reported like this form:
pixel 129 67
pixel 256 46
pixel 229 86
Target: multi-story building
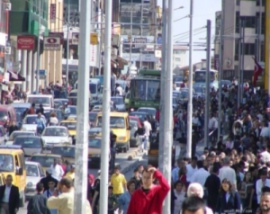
pixel 248 16
pixel 138 31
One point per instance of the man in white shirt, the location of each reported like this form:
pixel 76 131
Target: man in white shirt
pixel 57 170
pixel 119 90
pixel 265 132
pixel 265 155
pixel 262 182
pixel 213 123
pixel 200 175
pixel 227 172
pixel 191 168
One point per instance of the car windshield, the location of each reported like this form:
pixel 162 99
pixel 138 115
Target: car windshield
pixel 117 100
pixel 94 143
pixel 15 134
pixel 140 115
pixel 6 163
pixel 115 122
pixel 28 142
pixel 133 122
pixel 64 151
pixel 55 132
pixel 92 117
pixel 70 126
pixel 31 120
pixel 32 170
pixel 45 161
pixel 45 101
pixel 93 88
pixel 148 111
pixel 3 115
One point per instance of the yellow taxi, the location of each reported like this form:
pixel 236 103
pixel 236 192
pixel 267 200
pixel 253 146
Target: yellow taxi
pixel 71 125
pixel 119 125
pixel 12 163
pixel 45 160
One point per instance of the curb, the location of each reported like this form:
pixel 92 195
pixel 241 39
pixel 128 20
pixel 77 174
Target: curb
pixel 131 167
pixel 133 155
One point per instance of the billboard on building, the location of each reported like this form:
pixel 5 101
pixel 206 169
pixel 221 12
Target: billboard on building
pixel 52 12
pixel 75 38
pixel 25 42
pixel 52 43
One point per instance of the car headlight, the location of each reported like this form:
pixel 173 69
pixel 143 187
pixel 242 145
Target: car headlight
pixel 122 138
pixel 29 184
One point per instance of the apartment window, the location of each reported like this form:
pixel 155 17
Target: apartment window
pixel 258 2
pixel 249 21
pixel 249 49
pixel 262 22
pixel 237 22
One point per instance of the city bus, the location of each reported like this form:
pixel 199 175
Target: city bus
pixel 144 90
pixel 200 79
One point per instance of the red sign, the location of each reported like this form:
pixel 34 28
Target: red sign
pixel 26 42
pixel 53 12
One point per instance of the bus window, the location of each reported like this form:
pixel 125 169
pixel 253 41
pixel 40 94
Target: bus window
pixel 153 90
pixel 140 90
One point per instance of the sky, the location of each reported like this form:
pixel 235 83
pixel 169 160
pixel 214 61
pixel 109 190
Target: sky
pixel 203 10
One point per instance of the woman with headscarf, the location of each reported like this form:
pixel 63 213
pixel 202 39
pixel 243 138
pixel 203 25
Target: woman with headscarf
pixel 90 187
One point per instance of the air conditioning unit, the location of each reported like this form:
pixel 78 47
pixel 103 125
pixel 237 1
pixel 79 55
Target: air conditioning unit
pixel 7 6
pixel 7 50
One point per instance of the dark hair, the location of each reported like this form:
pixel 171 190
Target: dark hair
pixel 178 182
pixel 216 168
pixel 192 204
pixel 194 158
pixel 266 189
pixel 200 164
pixel 66 182
pixel 131 182
pixel 39 187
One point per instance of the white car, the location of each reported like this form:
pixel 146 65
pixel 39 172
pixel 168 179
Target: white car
pixel 34 173
pixel 29 122
pixel 56 135
pixel 18 133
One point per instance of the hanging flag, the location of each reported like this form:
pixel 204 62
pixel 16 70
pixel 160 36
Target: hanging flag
pixel 257 71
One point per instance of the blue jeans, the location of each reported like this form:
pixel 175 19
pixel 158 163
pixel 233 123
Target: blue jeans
pixel 53 211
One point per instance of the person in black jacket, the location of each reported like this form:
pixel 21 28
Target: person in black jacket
pixel 45 181
pixel 9 197
pixel 38 203
pixel 40 109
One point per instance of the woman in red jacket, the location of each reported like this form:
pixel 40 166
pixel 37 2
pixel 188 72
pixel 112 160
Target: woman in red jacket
pixel 149 198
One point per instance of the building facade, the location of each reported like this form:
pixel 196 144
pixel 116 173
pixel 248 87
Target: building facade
pixel 249 17
pixel 138 32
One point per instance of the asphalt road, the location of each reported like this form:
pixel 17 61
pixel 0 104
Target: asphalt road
pixel 122 160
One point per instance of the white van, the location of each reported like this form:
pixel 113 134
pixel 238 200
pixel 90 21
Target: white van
pixel 46 100
pixel 94 87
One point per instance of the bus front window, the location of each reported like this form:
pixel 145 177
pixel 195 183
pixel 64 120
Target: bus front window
pixel 140 90
pixel 153 90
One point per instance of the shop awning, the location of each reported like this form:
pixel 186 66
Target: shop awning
pixel 15 77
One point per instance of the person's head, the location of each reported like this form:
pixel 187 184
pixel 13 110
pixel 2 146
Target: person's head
pixel 65 184
pixel 263 173
pixel 131 186
pixel 110 190
pixel 248 177
pixel 53 114
pixel 39 187
pixel 116 170
pixel 226 161
pixel 226 185
pixel 178 186
pixel 51 185
pixel 91 179
pixel 40 105
pixel 9 180
pixel 147 179
pixel 33 105
pixel 200 164
pixel 195 189
pixel 215 169
pixel 265 202
pixel 193 205
pixel 72 169
pixel 194 161
pixel 136 172
pixel 39 115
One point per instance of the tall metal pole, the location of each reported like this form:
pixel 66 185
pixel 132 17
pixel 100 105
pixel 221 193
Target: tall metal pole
pixel 162 83
pixel 242 60
pixel 105 151
pixel 131 29
pixel 208 68
pixel 81 160
pixel 168 122
pixel 259 32
pixel 220 72
pixel 190 79
pixel 67 65
pixel 99 28
pixel 38 47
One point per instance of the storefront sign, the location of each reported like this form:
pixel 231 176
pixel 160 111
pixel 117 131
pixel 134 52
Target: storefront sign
pixel 26 42
pixel 52 43
pixel 93 56
pixel 52 12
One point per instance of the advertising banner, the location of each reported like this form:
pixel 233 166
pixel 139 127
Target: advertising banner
pixel 26 42
pixel 52 43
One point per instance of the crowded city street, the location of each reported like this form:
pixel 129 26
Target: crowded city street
pixel 133 107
